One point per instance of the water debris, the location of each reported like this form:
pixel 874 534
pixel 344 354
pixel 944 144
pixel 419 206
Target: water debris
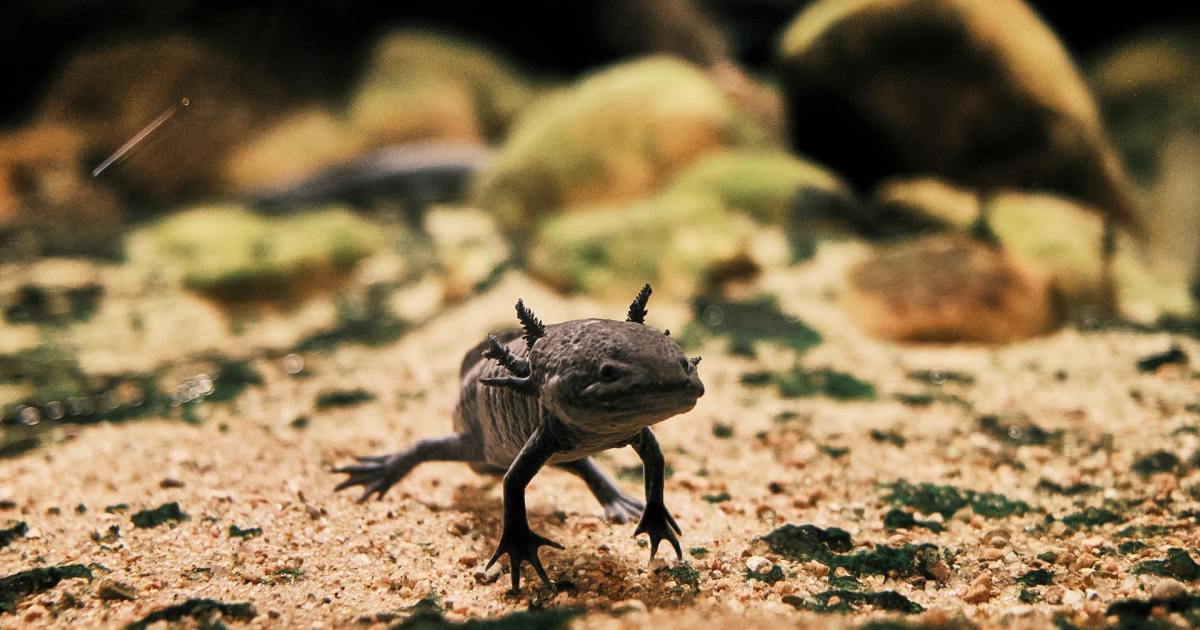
pixel 899 519
pixel 140 137
pixel 929 498
pixel 1156 462
pixel 1174 356
pixel 196 608
pixel 1178 564
pixel 1039 577
pixel 159 515
pixel 9 534
pixel 747 323
pixel 1092 517
pixel 18 586
pixel 249 532
pixel 843 601
pixel 342 398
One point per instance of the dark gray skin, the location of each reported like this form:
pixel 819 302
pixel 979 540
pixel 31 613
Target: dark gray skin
pixel 558 395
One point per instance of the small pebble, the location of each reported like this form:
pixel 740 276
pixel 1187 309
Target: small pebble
pixel 758 564
pixel 1168 588
pixel 112 590
pixel 629 606
pixel 980 589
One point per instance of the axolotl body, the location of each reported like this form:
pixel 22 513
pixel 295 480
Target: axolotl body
pixel 555 395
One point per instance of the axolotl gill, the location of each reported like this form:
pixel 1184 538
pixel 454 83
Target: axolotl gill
pixel 556 395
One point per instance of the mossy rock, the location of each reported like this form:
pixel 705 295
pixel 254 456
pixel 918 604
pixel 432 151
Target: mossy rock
pixel 618 135
pixel 978 92
pixel 290 150
pixel 928 201
pixel 681 243
pixel 947 289
pixel 469 248
pixel 423 84
pixel 49 204
pixel 772 187
pixel 233 255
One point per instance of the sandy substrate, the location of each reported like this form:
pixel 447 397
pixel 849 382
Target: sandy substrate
pixel 324 560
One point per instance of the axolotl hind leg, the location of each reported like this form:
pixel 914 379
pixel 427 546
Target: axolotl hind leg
pixel 377 473
pixel 618 506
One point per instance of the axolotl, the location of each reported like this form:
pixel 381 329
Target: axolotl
pixel 558 394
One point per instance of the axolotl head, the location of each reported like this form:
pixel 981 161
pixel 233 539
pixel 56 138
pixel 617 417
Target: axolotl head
pixel 603 376
pixel 610 376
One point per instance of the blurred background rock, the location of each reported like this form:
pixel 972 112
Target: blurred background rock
pixel 323 147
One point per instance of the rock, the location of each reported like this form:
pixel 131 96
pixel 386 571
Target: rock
pixel 1168 589
pixel 1053 595
pixel 628 606
pixel 980 590
pixel 421 85
pixel 112 590
pixel 682 243
pixel 288 151
pixel 772 187
pixel 617 135
pixel 49 204
pixel 233 255
pixel 979 92
pixel 758 564
pixel 111 93
pixel 949 288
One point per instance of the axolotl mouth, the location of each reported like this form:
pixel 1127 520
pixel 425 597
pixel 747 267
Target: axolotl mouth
pixel 654 400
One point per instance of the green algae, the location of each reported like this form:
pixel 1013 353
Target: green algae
pixel 843 601
pixel 1178 564
pixel 721 497
pixel 249 532
pixel 34 304
pixel 894 438
pixel 941 377
pixel 722 430
pixel 532 619
pixel 1092 517
pixel 900 519
pixel 18 586
pixel 770 577
pixel 195 608
pixel 807 542
pixel 10 534
pixel 800 383
pixel 946 500
pixel 342 398
pixel 162 514
pixel 1018 431
pixel 745 324
pixel 1156 462
pixel 1038 577
pixel 366 320
pixel 1075 489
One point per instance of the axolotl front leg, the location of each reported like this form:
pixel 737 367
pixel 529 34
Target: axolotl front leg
pixel 656 519
pixel 518 541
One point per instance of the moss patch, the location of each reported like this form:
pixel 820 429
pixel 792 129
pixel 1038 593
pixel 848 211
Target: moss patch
pixel 1092 517
pixel 1178 564
pixel 841 601
pixel 1039 577
pixel 342 398
pixel 244 533
pixel 929 498
pixel 34 304
pixel 770 577
pixel 806 542
pixel 159 515
pixel 196 609
pixel 747 323
pixel 899 519
pixel 18 586
pixel 10 534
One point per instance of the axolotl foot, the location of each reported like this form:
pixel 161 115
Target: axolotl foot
pixel 521 545
pixel 659 524
pixel 622 508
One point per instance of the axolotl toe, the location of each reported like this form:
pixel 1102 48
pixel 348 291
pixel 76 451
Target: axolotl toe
pixel 557 394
